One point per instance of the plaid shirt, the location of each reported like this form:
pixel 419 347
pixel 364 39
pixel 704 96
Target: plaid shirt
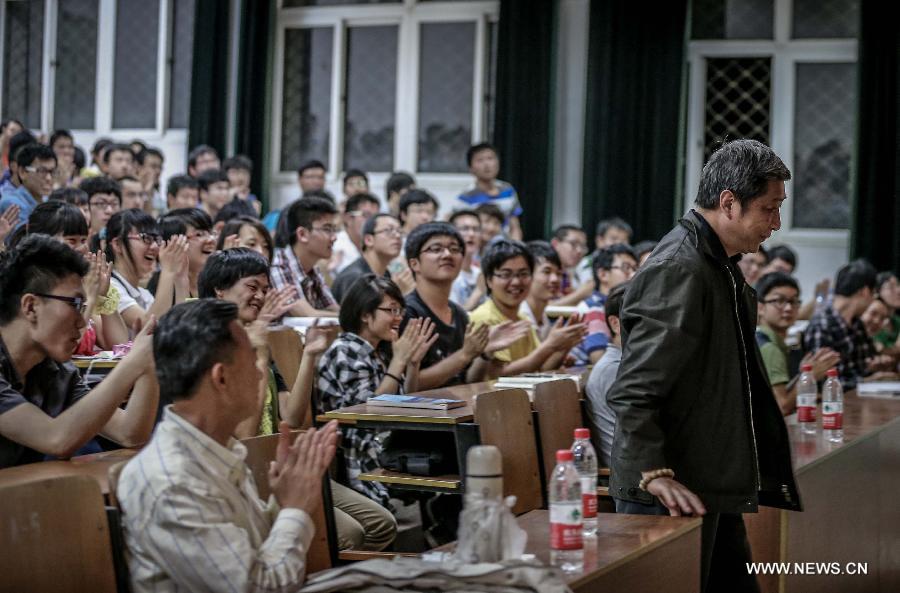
pixel 349 373
pixel 827 329
pixel 286 271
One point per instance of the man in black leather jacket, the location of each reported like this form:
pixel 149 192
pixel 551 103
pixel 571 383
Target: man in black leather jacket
pixel 698 428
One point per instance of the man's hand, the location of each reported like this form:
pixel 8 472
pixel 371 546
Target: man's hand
pixel 676 497
pixel 8 221
pixel 476 339
pixel 567 333
pixel 319 338
pixel 295 476
pixel 142 346
pixel 821 360
pixel 277 303
pixel 404 280
pixel 503 335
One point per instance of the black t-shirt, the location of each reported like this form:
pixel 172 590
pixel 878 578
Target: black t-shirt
pixel 450 337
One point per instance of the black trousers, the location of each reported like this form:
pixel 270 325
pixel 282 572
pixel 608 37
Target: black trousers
pixel 724 549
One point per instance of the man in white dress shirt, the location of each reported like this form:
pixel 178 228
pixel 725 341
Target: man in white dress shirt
pixel 192 517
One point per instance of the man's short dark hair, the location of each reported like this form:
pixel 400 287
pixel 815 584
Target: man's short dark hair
pixel 500 252
pixel 613 223
pixel 784 253
pixel 149 151
pixel 363 298
pixel 233 209
pixel 238 162
pixel 60 134
pixel 369 226
pixel 323 194
pixel 542 250
pixel 397 182
pixel 613 305
pixel 491 210
pixel 774 280
pixel 883 278
pixel 100 144
pixel 57 217
pixel 33 152
pixel 176 222
pixel 116 148
pixel 211 176
pixel 354 202
pixel 79 158
pixel 23 138
pixel 70 195
pixel 476 148
pixel 351 173
pixel 37 265
pixel 460 213
pixel 303 213
pixel 642 247
pixel 224 269
pixel 603 259
pixel 422 233
pixel 101 185
pixel 199 151
pixel 855 276
pixel 562 231
pixel 743 167
pixel 179 182
pixel 189 340
pixel 416 196
pixel 311 164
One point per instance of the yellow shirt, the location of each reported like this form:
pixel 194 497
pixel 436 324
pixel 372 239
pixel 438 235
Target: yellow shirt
pixel 487 312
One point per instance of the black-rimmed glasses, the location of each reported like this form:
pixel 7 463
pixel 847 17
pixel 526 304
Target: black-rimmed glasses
pixel 77 303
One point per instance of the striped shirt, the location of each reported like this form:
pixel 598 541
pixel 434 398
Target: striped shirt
pixel 287 271
pixel 193 520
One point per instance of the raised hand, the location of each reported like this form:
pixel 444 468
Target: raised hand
pixel 231 242
pixel 142 345
pixel 295 477
pixel 425 338
pixel 277 303
pixel 821 360
pixel 503 335
pixel 8 221
pixel 404 280
pixel 566 334
pixel 404 346
pixel 476 338
pixel 173 255
pixel 319 338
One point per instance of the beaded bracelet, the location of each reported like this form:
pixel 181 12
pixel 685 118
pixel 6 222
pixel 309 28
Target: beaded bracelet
pixel 395 378
pixel 652 475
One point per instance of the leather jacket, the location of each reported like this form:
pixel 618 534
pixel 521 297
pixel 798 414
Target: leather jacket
pixel 692 394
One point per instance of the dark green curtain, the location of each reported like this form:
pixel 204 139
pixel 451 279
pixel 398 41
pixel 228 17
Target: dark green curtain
pixel 876 224
pixel 522 129
pixel 209 78
pixel 636 58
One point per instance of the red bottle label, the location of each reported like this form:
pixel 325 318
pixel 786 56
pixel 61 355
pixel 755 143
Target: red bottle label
pixel 589 497
pixel 832 415
pixel 566 526
pixel 806 408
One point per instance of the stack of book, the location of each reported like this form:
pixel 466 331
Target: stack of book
pixel 387 400
pixel 528 381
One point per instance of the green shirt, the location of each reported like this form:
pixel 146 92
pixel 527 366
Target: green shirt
pixel 888 336
pixel 775 356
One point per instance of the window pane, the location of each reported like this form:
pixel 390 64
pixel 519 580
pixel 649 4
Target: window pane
pixel 306 106
pixel 826 19
pixel 490 97
pixel 76 70
pixel 732 19
pixel 182 59
pixel 301 3
pixel 371 98
pixel 445 96
pixel 23 55
pixel 137 43
pixel 824 131
pixel 737 101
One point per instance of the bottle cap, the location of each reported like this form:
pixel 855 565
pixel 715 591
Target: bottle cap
pixel 484 461
pixel 582 433
pixel 564 455
pixel 806 368
pixel 832 372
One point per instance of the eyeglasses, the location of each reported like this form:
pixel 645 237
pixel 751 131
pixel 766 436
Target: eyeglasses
pixel 506 275
pixel 627 268
pixel 360 214
pixel 469 229
pixel 41 170
pixel 148 238
pixel 104 204
pixel 782 303
pixel 327 229
pixel 77 303
pixel 391 231
pixel 437 249
pixel 577 245
pixel 201 235
pixel 395 311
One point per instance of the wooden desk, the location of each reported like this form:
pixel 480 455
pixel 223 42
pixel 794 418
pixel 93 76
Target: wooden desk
pixel 849 492
pixel 83 364
pixel 95 465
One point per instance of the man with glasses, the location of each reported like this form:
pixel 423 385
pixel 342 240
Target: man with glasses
pixel 348 246
pixel 104 200
pixel 36 164
pixel 45 407
pixel 778 295
pixel 312 228
pixel 382 239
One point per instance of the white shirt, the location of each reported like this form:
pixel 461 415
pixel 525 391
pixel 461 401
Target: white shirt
pixel 464 286
pixel 130 295
pixel 193 520
pixel 343 253
pixel 542 328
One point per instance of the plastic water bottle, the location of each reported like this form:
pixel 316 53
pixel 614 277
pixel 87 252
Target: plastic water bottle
pixel 833 407
pixel 807 394
pixel 585 459
pixel 566 526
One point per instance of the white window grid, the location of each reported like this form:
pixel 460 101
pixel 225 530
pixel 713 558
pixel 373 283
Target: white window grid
pixel 785 54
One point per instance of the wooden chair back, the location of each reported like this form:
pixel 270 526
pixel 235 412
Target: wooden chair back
pixel 504 420
pixel 558 415
pixel 55 537
pixel 260 452
pixel 286 347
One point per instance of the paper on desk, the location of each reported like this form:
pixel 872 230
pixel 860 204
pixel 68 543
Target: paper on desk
pixel 878 389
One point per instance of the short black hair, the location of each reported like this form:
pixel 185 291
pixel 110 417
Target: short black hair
pixel 239 162
pixel 351 173
pixel 743 167
pixel 190 338
pixel 60 134
pixel 603 259
pixel 542 250
pixel 364 297
pixel 883 278
pixel 224 269
pixel 175 222
pixel 642 247
pixel 320 193
pixel 369 226
pixel 56 217
pixel 100 144
pixel 36 265
pixel 178 182
pixel 236 207
pixel 354 202
pixel 613 305
pixel 774 280
pixel 460 213
pixel 855 276
pixel 70 195
pixel 784 253
pixel 117 148
pixel 233 227
pixel 397 182
pixel 613 223
pixel 23 138
pixel 128 178
pixel 149 151
pixel 120 225
pixel 303 213
pixel 101 185
pixel 492 211
pixel 79 158
pixel 32 152
pixel 311 164
pixel 416 196
pixel 476 148
pixel 562 231
pixel 422 233
pixel 199 151
pixel 210 176
pixel 500 252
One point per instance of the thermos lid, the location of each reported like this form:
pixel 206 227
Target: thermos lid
pixel 484 461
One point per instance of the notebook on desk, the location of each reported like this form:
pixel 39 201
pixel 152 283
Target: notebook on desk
pixel 883 389
pixel 414 401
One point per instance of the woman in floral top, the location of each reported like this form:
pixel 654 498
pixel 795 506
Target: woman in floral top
pixel 358 366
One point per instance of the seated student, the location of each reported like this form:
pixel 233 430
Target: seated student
pixel 612 266
pixel 610 231
pixel 246 231
pixel 191 514
pixel 133 194
pixel 118 161
pixel 182 191
pixel 214 191
pixel 395 188
pixel 310 226
pixel 45 407
pixel 63 146
pixel 545 286
pixel 468 288
pixel 751 265
pixel 76 197
pixel 508 268
pixel 233 209
pixel 875 318
pixel 417 207
pixel 601 418
pixel 381 237
pixel 239 170
pixel 781 258
pixel 360 207
pixel 643 249
pixel 311 176
pixel 35 165
pixel 195 225
pixel 434 252
pixel 570 243
pixel 778 301
pixel 889 292
pixel 202 158
pixel 491 218
pixel 133 245
pixel 104 200
pixel 484 164
pixel 355 182
pixel 355 367
pixel 838 326
pixel 149 170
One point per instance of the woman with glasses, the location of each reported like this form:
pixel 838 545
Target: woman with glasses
pixel 197 226
pixel 133 246
pixel 371 357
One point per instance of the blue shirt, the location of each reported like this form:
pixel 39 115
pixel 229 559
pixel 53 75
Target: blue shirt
pixel 506 199
pixel 21 196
